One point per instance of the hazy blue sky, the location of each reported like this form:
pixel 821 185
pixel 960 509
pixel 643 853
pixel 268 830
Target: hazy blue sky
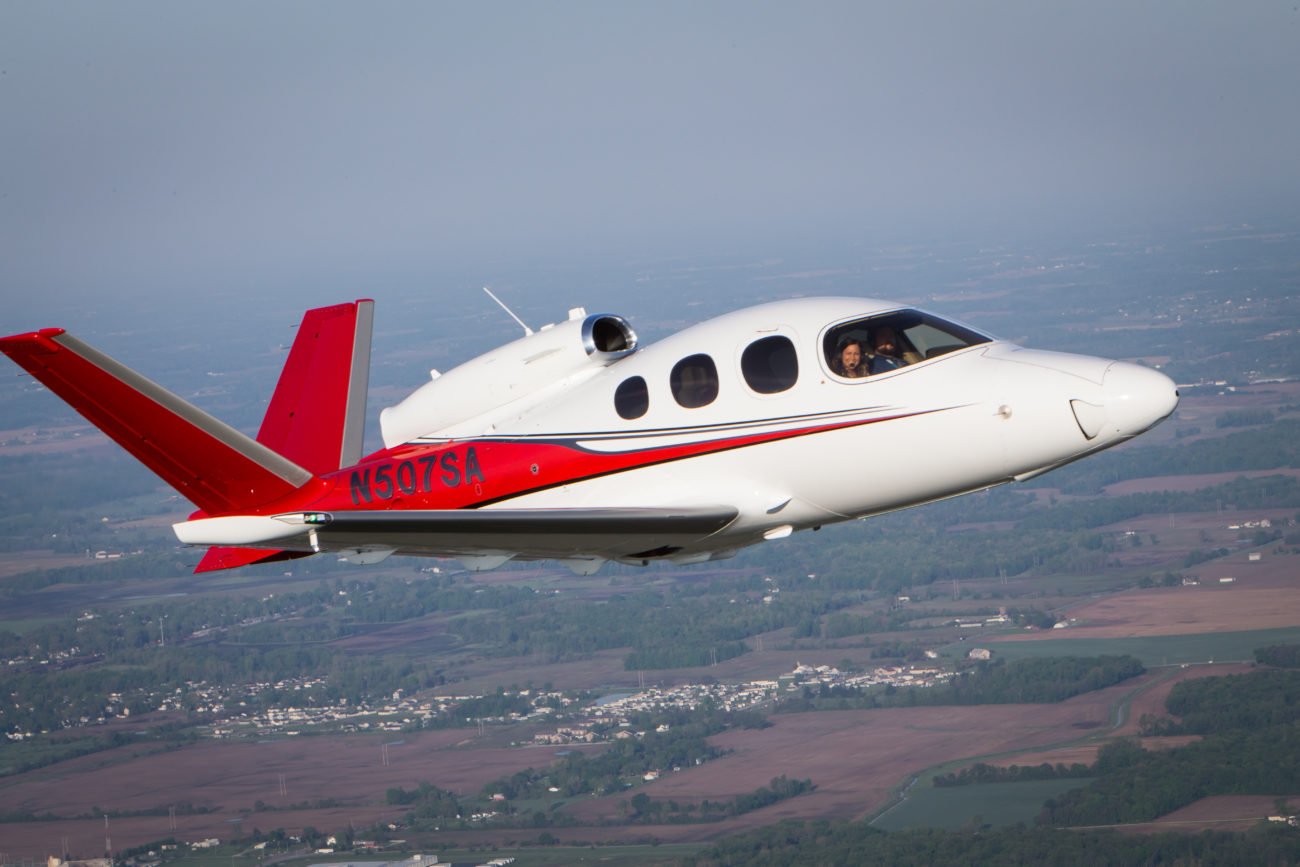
pixel 197 146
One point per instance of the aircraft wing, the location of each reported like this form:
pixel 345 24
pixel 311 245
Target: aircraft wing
pixel 561 534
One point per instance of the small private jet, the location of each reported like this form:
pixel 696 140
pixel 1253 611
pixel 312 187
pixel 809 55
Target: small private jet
pixel 577 444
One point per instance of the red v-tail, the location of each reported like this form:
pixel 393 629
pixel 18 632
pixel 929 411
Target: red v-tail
pixel 214 466
pixel 314 423
pixel 317 413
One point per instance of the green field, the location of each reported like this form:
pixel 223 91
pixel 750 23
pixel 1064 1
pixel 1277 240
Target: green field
pixel 954 807
pixel 1152 650
pixel 48 749
pixel 22 627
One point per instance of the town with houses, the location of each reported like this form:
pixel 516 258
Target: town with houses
pixel 605 718
pixel 577 720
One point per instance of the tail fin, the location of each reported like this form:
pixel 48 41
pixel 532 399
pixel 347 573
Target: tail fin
pixel 318 410
pixel 314 424
pixel 210 463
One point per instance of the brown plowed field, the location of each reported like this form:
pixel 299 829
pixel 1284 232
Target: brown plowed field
pixel 1190 482
pixel 856 757
pixel 231 777
pixel 1263 595
pixel 1150 702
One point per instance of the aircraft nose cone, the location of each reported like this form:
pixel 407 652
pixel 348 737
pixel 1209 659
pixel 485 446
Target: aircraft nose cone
pixel 1137 398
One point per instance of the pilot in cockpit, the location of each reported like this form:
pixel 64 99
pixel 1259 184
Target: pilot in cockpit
pixel 887 353
pixel 848 361
pixel 880 344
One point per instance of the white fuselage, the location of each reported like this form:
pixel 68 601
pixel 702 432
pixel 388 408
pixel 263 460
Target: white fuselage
pixel 967 418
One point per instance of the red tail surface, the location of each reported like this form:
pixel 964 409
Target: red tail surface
pixel 211 464
pixel 314 423
pixel 317 414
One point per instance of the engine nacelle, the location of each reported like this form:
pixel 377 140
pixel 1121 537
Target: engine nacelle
pixel 467 399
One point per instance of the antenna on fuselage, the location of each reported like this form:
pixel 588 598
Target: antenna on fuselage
pixel 528 332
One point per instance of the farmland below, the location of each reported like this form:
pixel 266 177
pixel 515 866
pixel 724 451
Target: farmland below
pixel 834 676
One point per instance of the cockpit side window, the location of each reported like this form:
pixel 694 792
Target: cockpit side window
pixel 879 344
pixel 694 381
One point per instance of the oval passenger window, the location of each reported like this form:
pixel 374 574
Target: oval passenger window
pixel 770 365
pixel 632 398
pixel 694 381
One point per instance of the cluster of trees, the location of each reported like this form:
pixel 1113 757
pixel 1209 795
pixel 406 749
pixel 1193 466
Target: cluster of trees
pixel 500 704
pixel 980 773
pixel 680 744
pixel 260 806
pixel 59 498
pixel 1136 785
pixel 428 801
pixel 1199 555
pixel 662 628
pixel 1251 746
pixel 1040 681
pixel 1280 655
pixel 607 773
pixel 926 553
pixel 811 844
pixel 682 655
pixel 643 809
pixel 1245 418
pixel 1238 702
pixel 180 808
pixel 48 750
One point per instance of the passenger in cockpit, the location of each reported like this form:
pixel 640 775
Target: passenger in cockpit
pixel 848 361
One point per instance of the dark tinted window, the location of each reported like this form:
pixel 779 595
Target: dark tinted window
pixel 769 365
pixel 631 398
pixel 694 381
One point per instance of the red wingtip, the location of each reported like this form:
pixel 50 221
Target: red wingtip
pixel 32 341
pixel 232 558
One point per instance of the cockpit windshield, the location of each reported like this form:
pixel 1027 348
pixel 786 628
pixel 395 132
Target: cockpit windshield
pixel 878 344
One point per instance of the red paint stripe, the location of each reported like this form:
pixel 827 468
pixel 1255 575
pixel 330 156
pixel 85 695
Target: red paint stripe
pixel 513 468
pixel 584 464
